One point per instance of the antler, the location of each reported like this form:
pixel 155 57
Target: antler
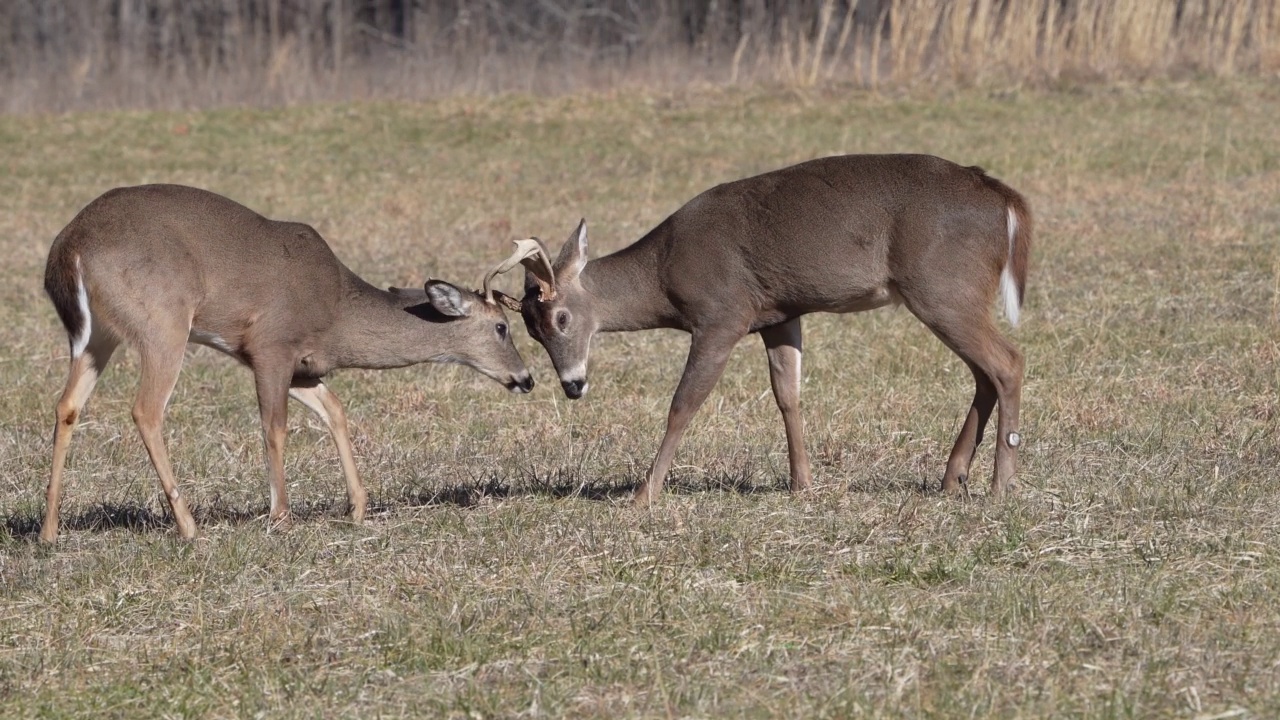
pixel 526 252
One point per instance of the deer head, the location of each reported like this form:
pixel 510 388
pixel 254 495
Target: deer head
pixel 557 310
pixel 478 333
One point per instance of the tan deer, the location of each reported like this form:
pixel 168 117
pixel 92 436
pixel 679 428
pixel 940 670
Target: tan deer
pixel 838 234
pixel 158 266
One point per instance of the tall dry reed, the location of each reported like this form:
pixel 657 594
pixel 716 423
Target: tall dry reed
pixel 63 55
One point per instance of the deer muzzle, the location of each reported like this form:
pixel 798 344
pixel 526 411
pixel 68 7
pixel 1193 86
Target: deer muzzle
pixel 521 385
pixel 574 389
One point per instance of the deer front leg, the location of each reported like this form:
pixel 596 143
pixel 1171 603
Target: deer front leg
pixel 324 403
pixel 708 354
pixel 783 345
pixel 273 399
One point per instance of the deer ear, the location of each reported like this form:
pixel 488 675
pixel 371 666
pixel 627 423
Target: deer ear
pixel 447 299
pixel 573 256
pixel 531 284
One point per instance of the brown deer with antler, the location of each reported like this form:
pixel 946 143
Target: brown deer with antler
pixel 837 234
pixel 158 266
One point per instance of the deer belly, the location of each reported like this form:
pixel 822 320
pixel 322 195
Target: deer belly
pixel 213 340
pixel 876 298
pixel 311 366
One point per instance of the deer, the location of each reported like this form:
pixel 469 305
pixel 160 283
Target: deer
pixel 838 234
pixel 159 266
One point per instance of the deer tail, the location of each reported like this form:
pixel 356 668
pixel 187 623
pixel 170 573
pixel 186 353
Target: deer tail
pixel 1018 226
pixel 64 282
pixel 1013 278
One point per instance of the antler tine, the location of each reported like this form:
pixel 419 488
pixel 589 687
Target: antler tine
pixel 547 291
pixel 525 249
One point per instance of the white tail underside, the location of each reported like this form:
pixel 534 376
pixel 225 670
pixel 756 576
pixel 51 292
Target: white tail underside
pixel 1009 288
pixel 78 344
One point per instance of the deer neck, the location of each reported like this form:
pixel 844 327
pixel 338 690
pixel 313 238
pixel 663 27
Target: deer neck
pixel 626 292
pixel 376 329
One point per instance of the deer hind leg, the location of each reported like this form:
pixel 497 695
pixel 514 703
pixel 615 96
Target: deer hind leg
pixel 956 478
pixel 86 368
pixel 708 354
pixel 997 370
pixel 325 404
pixel 161 363
pixel 273 404
pixel 783 345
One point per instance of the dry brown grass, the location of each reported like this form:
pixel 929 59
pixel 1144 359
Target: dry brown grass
pixel 501 574
pixel 984 41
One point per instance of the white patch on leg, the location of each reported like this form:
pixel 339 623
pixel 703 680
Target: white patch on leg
pixel 1014 439
pixel 79 344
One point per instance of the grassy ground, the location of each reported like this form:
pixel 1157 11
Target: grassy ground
pixel 503 574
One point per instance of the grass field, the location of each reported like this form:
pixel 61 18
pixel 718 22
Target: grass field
pixel 502 572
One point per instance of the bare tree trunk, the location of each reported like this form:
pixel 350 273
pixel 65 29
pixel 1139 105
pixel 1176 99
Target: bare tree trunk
pixel 338 27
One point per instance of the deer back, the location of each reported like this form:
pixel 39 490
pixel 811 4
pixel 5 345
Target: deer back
pixel 200 258
pixel 827 234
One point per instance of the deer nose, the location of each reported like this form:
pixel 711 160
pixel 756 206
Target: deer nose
pixel 521 385
pixel 574 389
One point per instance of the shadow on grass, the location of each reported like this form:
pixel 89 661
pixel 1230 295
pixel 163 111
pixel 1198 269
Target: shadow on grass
pixel 142 519
pixel 107 516
pixel 559 484
pixel 567 483
pixel 469 495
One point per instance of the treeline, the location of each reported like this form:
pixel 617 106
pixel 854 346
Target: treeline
pixel 211 31
pixel 57 54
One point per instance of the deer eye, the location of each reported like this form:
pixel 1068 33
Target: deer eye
pixel 562 320
pixel 502 331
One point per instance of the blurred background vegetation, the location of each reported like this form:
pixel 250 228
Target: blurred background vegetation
pixel 60 55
